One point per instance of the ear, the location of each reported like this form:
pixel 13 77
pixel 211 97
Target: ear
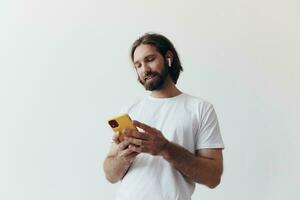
pixel 169 55
pixel 169 58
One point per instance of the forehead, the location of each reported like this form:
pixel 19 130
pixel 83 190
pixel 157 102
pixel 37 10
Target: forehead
pixel 144 50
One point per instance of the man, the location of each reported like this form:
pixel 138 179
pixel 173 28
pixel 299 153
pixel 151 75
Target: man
pixel 178 143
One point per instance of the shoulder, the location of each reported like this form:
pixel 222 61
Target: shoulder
pixel 198 102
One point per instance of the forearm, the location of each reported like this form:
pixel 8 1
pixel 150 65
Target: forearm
pixel 199 169
pixel 115 168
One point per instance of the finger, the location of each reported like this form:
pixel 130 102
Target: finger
pixel 123 145
pixel 136 134
pixel 132 152
pixel 143 126
pixel 135 141
pixel 125 152
pixel 137 149
pixel 132 145
pixel 116 138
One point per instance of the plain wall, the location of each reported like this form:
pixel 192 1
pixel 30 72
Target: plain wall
pixel 65 69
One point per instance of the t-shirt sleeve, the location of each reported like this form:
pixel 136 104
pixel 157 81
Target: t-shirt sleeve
pixel 208 134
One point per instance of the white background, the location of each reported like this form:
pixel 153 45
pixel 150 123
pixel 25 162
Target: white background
pixel 65 70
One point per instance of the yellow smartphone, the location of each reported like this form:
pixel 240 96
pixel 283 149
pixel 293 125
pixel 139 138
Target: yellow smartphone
pixel 121 122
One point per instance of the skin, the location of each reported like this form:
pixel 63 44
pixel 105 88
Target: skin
pixel 205 166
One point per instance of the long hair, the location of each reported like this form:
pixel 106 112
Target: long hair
pixel 163 45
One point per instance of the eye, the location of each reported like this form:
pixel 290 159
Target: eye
pixel 150 59
pixel 137 65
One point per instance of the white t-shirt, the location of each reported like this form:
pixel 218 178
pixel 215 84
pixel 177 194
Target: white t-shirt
pixel 186 120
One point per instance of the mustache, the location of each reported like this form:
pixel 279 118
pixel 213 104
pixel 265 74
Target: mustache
pixel 150 74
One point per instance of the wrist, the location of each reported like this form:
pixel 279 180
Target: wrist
pixel 164 152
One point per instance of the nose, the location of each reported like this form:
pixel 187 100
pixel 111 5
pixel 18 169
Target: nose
pixel 146 68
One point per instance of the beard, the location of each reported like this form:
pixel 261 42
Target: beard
pixel 157 80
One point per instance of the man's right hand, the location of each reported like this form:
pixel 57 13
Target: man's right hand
pixel 118 160
pixel 122 151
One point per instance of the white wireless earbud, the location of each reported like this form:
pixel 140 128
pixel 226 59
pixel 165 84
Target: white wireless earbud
pixel 169 62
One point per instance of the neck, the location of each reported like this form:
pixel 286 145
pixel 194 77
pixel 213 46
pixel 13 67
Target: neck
pixel 168 90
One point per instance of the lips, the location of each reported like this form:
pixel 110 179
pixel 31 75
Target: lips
pixel 149 77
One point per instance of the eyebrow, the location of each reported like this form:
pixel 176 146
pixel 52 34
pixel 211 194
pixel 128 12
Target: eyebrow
pixel 150 55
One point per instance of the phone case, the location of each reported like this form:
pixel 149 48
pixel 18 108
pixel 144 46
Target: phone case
pixel 121 122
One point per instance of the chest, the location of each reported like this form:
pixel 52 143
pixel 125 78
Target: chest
pixel 177 123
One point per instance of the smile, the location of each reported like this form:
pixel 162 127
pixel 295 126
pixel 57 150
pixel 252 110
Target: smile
pixel 150 77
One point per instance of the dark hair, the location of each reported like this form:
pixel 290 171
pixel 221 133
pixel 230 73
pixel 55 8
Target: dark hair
pixel 163 45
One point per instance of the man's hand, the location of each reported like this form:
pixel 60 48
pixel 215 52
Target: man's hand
pixel 123 152
pixel 150 140
pixel 118 160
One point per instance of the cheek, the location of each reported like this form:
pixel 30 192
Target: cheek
pixel 139 73
pixel 157 66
